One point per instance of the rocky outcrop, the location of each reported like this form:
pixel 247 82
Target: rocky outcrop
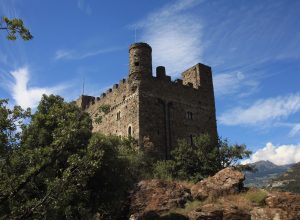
pixel 279 205
pixel 227 181
pixel 159 196
pixel 157 199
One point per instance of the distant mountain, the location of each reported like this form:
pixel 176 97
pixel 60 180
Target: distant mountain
pixel 265 172
pixel 288 181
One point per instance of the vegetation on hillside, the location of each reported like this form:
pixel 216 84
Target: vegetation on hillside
pixel 289 181
pixel 53 167
pixel 200 160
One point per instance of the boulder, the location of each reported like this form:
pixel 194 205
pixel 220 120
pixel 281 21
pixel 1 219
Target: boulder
pixel 157 196
pixel 226 181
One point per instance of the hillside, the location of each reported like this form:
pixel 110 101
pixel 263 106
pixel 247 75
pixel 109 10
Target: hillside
pixel 218 197
pixel 289 181
pixel 265 172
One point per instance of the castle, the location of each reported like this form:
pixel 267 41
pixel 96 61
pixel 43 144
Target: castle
pixel 155 107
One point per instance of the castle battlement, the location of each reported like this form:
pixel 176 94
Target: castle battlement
pixel 155 107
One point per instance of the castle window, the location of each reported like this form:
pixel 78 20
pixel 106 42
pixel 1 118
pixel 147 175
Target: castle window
pixel 189 115
pixel 118 116
pixel 129 131
pixel 136 63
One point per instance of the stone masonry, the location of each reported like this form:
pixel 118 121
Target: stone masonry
pixel 155 107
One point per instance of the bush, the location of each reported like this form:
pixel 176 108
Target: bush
pixel 257 196
pixel 164 169
pixel 200 160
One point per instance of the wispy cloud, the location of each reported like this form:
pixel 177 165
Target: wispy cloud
pixel 233 83
pixel 264 110
pixel 82 5
pixel 295 130
pixel 23 94
pixel 174 35
pixel 280 155
pixel 63 54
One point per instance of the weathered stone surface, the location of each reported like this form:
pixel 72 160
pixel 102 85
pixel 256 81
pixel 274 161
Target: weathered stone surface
pixel 207 212
pixel 286 201
pixel 227 181
pixel 219 212
pixel 156 107
pixel 259 213
pixel 154 199
pixel 235 213
pixel 157 196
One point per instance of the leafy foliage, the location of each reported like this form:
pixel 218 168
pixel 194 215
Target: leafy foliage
pixel 13 27
pixel 104 108
pixel 164 169
pixel 11 125
pixel 230 155
pixel 202 159
pixel 61 171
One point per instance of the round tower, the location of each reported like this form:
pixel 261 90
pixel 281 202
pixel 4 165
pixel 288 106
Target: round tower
pixel 140 60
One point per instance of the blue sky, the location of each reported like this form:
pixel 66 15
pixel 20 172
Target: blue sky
pixel 253 48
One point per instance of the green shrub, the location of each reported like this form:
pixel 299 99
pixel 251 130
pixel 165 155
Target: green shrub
pixel 104 108
pixel 164 169
pixel 258 196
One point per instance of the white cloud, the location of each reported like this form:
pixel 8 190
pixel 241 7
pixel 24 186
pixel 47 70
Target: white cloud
pixel 78 55
pixel 262 111
pixel 174 36
pixel 279 155
pixel 232 83
pixel 24 95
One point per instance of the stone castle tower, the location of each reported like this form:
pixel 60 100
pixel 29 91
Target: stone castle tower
pixel 155 107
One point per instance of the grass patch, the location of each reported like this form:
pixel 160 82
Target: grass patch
pixel 189 206
pixel 257 196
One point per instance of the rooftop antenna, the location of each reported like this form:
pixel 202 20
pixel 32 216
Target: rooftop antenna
pixel 83 87
pixel 134 34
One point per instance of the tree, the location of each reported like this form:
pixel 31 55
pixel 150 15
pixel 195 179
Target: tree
pixel 38 168
pixel 197 161
pixel 13 27
pixel 230 155
pixel 200 160
pixel 60 170
pixel 11 125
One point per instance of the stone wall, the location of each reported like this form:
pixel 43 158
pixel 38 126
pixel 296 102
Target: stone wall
pixel 124 109
pixel 173 110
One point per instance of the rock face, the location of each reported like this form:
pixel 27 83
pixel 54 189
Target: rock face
pixel 219 212
pixel 282 205
pixel 157 199
pixel 279 206
pixel 159 196
pixel 227 181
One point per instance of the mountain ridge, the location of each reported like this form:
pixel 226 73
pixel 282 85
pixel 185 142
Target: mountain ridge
pixel 265 172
